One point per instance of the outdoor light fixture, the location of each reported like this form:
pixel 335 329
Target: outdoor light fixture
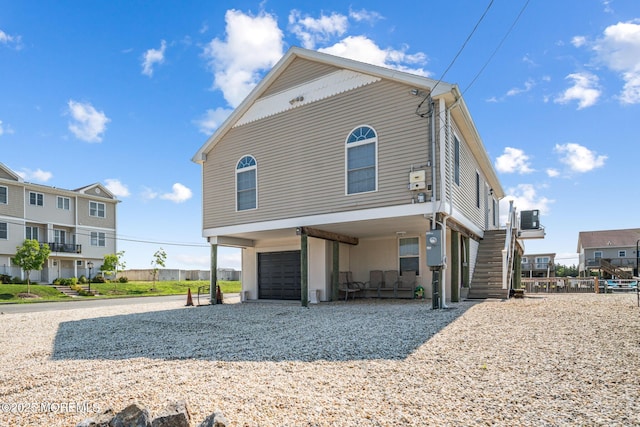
pixel 90 266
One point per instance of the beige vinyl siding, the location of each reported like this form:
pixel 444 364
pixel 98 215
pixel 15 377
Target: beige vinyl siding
pixel 15 201
pixel 301 157
pixel 464 195
pixel 109 221
pixel 299 72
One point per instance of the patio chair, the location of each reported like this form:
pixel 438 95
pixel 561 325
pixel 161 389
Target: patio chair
pixel 390 281
pixel 407 282
pixel 346 286
pixel 376 281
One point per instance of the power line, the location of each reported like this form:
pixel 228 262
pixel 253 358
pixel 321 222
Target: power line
pixel 455 57
pixel 116 238
pixel 513 24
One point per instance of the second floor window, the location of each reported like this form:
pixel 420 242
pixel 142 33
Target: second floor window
pixel 98 239
pixel 246 183
pixel 4 233
pixel 36 199
pixel 64 203
pixel 4 195
pixel 362 160
pixel 32 233
pixel 60 236
pixel 622 254
pixel 97 209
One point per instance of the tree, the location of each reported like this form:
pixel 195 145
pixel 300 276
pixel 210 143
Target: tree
pixel 112 264
pixel 566 271
pixel 159 260
pixel 31 256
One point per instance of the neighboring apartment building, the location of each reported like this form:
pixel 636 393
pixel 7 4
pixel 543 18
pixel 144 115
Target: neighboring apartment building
pixel 613 252
pixel 538 265
pixel 78 225
pixel 332 164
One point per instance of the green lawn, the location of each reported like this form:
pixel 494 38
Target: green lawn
pixel 11 293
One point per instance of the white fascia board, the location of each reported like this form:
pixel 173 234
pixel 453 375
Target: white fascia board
pixel 314 220
pixel 459 217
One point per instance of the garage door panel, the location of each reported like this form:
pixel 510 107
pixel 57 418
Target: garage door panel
pixel 279 275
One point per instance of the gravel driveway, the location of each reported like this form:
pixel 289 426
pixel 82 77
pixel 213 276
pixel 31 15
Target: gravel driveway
pixel 546 360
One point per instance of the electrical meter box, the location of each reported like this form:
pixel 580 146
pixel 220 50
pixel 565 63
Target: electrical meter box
pixel 434 248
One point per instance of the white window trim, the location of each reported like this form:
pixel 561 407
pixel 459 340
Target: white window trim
pixel 37 194
pixel 622 253
pixel 6 201
pixel 100 236
pixel 346 159
pixel 98 210
pixel 68 200
pixel 246 169
pixel 419 255
pixel 7 226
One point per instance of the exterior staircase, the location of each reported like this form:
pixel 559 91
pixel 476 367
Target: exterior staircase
pixel 487 275
pixel 70 292
pixel 615 271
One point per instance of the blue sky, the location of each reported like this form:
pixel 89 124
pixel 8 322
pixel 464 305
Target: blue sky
pixel 125 92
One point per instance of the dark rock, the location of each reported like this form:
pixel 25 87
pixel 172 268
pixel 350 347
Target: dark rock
pixel 134 415
pixel 214 420
pixel 175 415
pixel 101 420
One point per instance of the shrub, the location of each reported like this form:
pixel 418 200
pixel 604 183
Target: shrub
pixel 98 279
pixel 123 279
pixel 17 281
pixel 83 279
pixel 5 278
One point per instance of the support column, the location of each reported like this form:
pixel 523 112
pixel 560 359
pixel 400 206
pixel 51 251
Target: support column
pixel 517 271
pixel 213 281
pixel 304 270
pixel 466 280
pixel 336 270
pixel 455 266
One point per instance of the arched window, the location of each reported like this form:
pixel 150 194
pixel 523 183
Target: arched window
pixel 246 183
pixel 362 160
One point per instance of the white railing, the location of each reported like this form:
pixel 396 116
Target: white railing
pixel 507 252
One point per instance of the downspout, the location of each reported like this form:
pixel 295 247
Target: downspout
pixel 445 184
pixel 433 163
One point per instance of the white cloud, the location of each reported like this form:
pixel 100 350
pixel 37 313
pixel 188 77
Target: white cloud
pixel 152 57
pixel 585 90
pixel 88 124
pixel 148 194
pixel 579 158
pixel 253 44
pixel 117 188
pixel 37 175
pixel 311 31
pixel 513 160
pixel 364 15
pixel 361 48
pixel 524 198
pixel 5 129
pixel 579 41
pixel 552 173
pixel 528 85
pixel 8 40
pixel 619 50
pixel 179 194
pixel 212 119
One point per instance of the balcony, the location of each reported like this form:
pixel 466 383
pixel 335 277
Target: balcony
pixel 65 247
pixel 617 262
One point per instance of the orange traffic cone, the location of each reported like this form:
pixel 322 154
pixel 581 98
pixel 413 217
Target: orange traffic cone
pixel 218 295
pixel 189 299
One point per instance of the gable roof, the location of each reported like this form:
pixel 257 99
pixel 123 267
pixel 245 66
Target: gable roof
pixel 4 170
pixel 608 238
pixel 449 92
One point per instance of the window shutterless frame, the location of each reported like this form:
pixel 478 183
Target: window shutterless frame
pixel 361 160
pixel 246 184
